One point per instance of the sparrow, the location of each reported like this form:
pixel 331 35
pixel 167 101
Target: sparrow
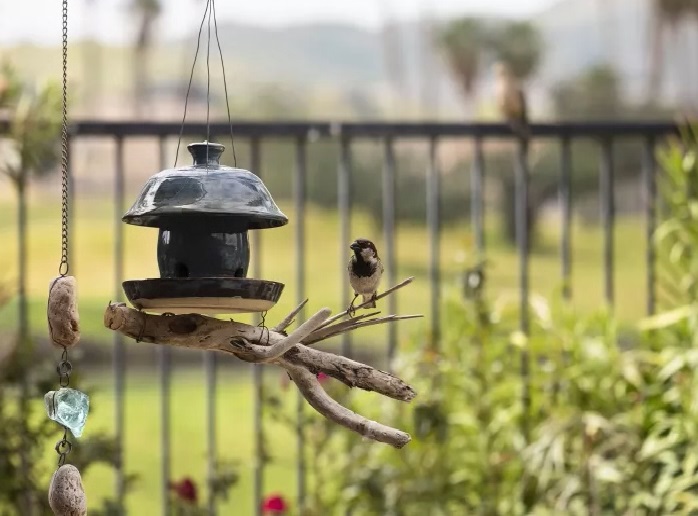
pixel 365 271
pixel 511 100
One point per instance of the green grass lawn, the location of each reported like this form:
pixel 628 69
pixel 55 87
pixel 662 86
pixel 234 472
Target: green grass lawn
pixel 234 433
pixel 93 264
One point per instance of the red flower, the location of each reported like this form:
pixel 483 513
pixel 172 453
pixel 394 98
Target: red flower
pixel 274 504
pixel 322 377
pixel 185 490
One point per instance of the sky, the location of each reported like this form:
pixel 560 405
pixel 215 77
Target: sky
pixel 38 21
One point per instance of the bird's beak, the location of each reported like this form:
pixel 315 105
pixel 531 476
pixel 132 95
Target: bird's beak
pixel 354 246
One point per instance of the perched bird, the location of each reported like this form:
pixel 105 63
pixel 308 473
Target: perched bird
pixel 365 271
pixel 511 100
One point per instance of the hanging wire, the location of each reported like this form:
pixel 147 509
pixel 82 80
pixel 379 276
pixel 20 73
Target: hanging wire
pixel 225 85
pixel 209 12
pixel 208 83
pixel 64 267
pixel 191 78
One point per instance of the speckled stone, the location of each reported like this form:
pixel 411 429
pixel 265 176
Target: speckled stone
pixel 66 496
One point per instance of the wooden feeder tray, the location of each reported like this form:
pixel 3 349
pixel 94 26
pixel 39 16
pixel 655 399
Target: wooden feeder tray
pixel 211 295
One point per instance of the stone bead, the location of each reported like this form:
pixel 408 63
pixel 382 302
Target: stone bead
pixel 69 408
pixel 66 496
pixel 63 318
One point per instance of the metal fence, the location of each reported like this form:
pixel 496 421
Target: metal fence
pixel 303 134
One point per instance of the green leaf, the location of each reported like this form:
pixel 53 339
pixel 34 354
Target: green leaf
pixel 605 471
pixel 667 319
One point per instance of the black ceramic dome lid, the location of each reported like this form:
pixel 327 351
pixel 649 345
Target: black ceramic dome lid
pixel 216 196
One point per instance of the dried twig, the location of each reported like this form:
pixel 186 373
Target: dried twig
pixel 366 303
pixel 326 332
pixel 260 345
pixel 288 320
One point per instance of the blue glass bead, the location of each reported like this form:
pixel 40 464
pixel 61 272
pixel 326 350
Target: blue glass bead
pixel 69 408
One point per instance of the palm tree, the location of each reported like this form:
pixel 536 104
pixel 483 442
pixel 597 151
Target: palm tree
pixel 463 41
pixel 147 12
pixel 519 45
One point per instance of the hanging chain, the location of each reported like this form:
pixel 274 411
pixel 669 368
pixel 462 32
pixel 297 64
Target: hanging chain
pixel 209 11
pixel 64 368
pixel 64 267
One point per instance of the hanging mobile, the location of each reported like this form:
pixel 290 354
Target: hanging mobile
pixel 66 406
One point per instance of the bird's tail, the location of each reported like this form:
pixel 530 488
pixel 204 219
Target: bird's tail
pixel 370 300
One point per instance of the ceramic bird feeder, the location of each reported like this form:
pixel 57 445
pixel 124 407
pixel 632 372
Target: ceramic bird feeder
pixel 204 212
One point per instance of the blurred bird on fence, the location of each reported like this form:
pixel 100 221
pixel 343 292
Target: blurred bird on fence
pixel 511 101
pixel 365 271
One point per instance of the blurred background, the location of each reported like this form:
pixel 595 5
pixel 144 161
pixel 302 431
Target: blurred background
pixel 396 136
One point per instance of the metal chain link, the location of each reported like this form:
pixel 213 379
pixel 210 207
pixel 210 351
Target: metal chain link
pixel 64 368
pixel 63 268
pixel 63 448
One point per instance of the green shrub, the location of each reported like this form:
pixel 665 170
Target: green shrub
pixel 612 428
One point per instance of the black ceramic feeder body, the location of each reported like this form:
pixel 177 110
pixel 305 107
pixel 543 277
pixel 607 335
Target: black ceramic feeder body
pixel 204 212
pixel 188 253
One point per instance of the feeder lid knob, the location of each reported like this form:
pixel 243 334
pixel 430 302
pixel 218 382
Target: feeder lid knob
pixel 201 151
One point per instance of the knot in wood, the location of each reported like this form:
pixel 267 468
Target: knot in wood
pixel 182 325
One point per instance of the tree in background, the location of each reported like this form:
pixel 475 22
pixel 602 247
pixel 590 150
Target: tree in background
pixel 31 149
pixel 146 12
pixel 464 43
pixel 595 94
pixel 519 45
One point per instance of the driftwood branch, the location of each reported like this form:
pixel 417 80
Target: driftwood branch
pixel 273 346
pixel 318 399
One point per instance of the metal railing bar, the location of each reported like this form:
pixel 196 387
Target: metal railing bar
pixel 433 215
pixel 388 256
pixel 565 200
pixel 607 216
pixel 369 129
pixel 477 192
pixel 522 240
pixel 257 369
pixel 299 196
pixel 649 169
pixel 165 370
pixel 119 365
pixel 344 208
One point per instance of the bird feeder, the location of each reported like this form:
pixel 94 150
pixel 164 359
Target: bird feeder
pixel 204 212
